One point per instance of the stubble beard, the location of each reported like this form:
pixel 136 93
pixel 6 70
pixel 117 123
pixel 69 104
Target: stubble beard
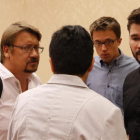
pixel 34 67
pixel 29 71
pixel 136 55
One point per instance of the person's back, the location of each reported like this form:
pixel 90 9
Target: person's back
pixel 65 108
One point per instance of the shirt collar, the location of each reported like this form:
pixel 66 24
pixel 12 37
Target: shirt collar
pixel 4 72
pixel 117 61
pixel 32 77
pixel 64 79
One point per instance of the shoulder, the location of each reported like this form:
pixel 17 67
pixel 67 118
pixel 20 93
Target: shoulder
pixel 100 113
pixel 131 80
pixel 129 63
pixel 133 73
pixel 98 103
pixel 129 59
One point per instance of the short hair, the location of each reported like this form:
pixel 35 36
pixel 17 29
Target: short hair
pixel 134 17
pixel 13 30
pixel 71 50
pixel 105 23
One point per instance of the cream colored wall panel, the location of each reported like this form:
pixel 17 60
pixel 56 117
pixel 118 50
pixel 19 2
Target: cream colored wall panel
pixel 49 15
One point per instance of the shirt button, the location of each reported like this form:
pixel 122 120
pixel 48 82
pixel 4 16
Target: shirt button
pixel 108 86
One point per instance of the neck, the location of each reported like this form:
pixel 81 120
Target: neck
pixel 21 76
pixel 24 85
pixel 116 56
pixel 23 79
pixel 84 77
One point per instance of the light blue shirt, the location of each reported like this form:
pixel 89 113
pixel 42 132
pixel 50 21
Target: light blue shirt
pixel 108 80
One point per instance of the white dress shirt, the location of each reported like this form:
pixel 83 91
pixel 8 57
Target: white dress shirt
pixel 65 109
pixel 11 89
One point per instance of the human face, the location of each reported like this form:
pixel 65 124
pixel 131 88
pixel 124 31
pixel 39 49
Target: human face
pixel 134 40
pixel 107 53
pixel 21 61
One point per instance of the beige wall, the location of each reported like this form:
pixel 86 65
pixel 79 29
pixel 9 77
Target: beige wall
pixel 49 15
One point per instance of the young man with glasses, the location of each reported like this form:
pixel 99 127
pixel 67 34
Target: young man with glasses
pixel 131 88
pixel 111 66
pixel 20 51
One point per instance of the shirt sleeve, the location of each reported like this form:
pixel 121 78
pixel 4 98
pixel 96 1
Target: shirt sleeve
pixel 11 129
pixel 114 127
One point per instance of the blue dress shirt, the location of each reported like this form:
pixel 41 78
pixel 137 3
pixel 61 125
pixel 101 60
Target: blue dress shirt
pixel 108 80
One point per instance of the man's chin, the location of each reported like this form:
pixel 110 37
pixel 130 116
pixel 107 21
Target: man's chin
pixel 30 71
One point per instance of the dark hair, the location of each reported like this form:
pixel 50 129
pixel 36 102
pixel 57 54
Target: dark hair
pixel 134 17
pixel 106 23
pixel 13 30
pixel 71 50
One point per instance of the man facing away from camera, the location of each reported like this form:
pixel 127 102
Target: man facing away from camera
pixel 131 88
pixel 65 108
pixel 111 65
pixel 19 59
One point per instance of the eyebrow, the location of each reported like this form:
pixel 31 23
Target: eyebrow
pixel 32 44
pixel 104 40
pixel 134 35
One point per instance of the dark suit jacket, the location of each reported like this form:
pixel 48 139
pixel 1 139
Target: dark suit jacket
pixel 131 100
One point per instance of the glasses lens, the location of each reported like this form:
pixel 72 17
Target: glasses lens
pixel 97 44
pixel 29 49
pixel 40 49
pixel 26 49
pixel 109 42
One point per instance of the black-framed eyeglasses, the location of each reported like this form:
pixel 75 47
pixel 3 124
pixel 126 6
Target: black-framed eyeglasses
pixel 29 49
pixel 107 43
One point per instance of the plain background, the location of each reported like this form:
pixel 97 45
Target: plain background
pixel 50 15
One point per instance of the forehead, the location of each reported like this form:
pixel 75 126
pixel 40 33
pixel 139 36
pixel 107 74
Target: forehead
pixel 103 35
pixel 26 37
pixel 134 30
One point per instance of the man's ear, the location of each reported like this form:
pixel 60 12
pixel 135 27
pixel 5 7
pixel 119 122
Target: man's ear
pixel 91 66
pixel 6 51
pixel 51 64
pixel 119 41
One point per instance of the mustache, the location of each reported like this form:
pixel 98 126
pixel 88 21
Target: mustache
pixel 33 59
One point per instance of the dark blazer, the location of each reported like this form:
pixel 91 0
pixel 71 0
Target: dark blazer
pixel 131 101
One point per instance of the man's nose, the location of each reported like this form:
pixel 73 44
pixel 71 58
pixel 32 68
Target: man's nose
pixel 103 47
pixel 34 53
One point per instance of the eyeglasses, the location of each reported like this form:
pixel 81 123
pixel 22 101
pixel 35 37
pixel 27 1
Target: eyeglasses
pixel 107 43
pixel 29 49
